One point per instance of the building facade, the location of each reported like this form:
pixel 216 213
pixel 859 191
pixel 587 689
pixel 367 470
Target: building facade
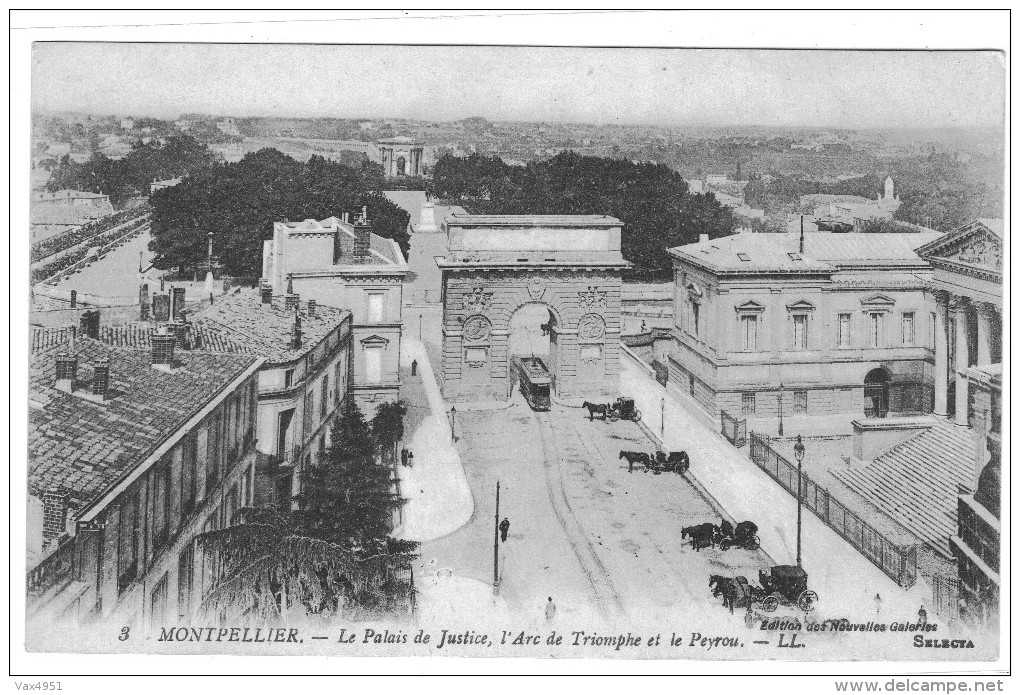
pixel 545 286
pixel 835 325
pixel 968 390
pixel 303 383
pixel 343 265
pixel 401 156
pixel 133 453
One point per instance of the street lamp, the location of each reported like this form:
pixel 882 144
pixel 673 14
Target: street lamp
pixel 662 419
pixel 798 451
pixel 453 422
pixel 419 326
pixel 780 409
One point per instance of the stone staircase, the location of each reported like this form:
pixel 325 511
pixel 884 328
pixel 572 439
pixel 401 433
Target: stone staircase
pixel 918 481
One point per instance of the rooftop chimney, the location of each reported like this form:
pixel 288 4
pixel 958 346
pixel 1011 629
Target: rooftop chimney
pixel 802 233
pixel 67 371
pixel 54 514
pixel 89 323
pixel 143 301
pixel 163 348
pixel 267 294
pixel 295 342
pixel 311 307
pixel 176 302
pixel 702 238
pixel 362 235
pixel 161 307
pixel 101 379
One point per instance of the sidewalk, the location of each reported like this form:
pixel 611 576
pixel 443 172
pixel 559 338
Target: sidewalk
pixel 845 580
pixel 439 498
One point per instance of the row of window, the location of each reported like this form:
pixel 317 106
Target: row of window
pixel 875 328
pixel 749 402
pixel 228 432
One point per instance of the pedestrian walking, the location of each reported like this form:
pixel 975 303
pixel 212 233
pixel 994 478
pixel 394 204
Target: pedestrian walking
pixel 922 616
pixel 410 459
pixel 878 604
pixel 504 528
pixel 414 367
pixel 403 456
pixel 550 609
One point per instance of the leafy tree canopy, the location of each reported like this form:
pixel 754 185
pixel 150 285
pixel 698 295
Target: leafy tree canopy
pixel 239 203
pixel 123 178
pixel 652 200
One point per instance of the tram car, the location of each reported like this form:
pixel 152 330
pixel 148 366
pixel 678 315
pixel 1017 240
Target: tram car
pixel 532 376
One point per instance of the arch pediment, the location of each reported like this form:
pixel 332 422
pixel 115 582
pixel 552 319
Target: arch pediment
pixel 800 305
pixel 878 301
pixel 374 340
pixel 750 305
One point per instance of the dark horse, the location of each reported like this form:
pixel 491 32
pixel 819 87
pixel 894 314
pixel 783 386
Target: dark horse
pixel 702 535
pixel 735 591
pixel 636 457
pixel 593 408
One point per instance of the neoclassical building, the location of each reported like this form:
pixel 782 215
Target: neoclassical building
pixel 401 156
pixel 344 265
pixel 817 324
pixel 968 389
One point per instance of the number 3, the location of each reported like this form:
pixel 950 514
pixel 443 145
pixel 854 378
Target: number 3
pixel 124 631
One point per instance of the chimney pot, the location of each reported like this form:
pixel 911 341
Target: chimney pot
pixel 291 300
pixel 267 294
pixel 67 371
pixel 176 302
pixel 163 349
pixel 311 307
pixel 702 238
pixel 54 514
pixel 295 343
pixel 101 379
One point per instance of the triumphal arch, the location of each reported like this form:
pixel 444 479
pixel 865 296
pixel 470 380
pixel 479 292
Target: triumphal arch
pixel 543 286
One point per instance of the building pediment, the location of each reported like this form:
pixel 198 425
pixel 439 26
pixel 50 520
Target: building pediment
pixel 374 340
pixel 695 291
pixel 750 305
pixel 878 300
pixel 800 305
pixel 976 244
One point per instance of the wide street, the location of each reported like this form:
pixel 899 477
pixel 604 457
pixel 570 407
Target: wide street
pixel 604 543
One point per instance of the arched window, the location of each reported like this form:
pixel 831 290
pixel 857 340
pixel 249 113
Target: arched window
pixel 876 393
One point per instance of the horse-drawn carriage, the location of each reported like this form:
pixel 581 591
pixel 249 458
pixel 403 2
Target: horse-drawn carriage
pixel 784 585
pixel 743 536
pixel 622 409
pixel 659 462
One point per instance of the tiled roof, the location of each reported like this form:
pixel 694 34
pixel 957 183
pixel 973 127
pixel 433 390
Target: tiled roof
pixel 822 251
pixel 81 447
pixel 384 251
pixel 266 329
pixel 138 334
pixel 916 482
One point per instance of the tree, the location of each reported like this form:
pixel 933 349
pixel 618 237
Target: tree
pixel 239 203
pixel 264 571
pixel 388 426
pixel 334 553
pixel 348 497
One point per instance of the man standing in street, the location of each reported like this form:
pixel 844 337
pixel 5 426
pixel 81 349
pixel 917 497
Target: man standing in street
pixel 550 609
pixel 403 457
pixel 504 528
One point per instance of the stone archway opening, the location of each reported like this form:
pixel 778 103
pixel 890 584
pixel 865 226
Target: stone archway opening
pixel 876 393
pixel 401 166
pixel 531 332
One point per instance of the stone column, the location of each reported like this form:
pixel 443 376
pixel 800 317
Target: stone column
pixel 985 312
pixel 961 310
pixel 941 355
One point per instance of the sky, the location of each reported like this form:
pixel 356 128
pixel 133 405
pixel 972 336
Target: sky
pixel 666 87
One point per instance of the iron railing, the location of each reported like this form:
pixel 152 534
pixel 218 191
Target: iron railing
pixel 896 560
pixel 55 570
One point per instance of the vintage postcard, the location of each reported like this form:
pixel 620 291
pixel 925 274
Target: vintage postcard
pixel 515 351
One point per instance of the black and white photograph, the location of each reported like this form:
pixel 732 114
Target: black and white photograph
pixel 342 346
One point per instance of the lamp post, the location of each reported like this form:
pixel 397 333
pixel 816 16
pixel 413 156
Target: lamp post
pixel 453 422
pixel 495 547
pixel 662 419
pixel 780 409
pixel 798 451
pixel 419 326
